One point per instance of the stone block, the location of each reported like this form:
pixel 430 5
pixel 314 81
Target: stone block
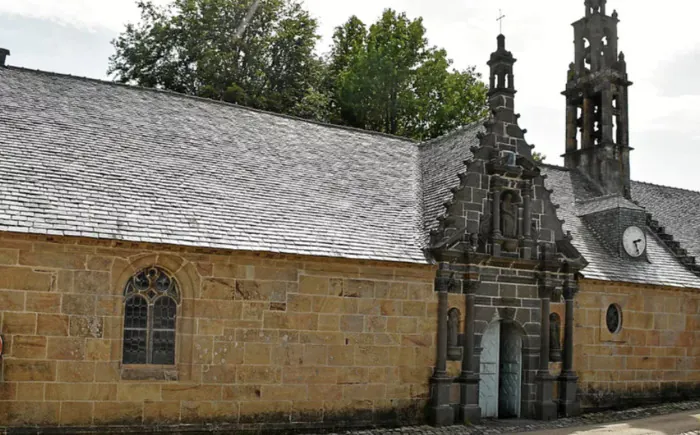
pixel 314 354
pixel 329 322
pixel 76 413
pixel 40 302
pixel 11 300
pixel 135 392
pixel 300 303
pixel 18 323
pixel 75 371
pixel 371 355
pixel 257 353
pixel 91 282
pixel 82 326
pixel 29 413
pixel 308 375
pixel 293 321
pixel 28 391
pixel 66 348
pixel 265 411
pixel 78 304
pixel 55 260
pixel 161 413
pixel 352 323
pixel 217 309
pixel 227 353
pixel 9 256
pixel 242 393
pixel 209 412
pixel 8 390
pixel 235 271
pixel 359 288
pixel 190 392
pixel 29 347
pixel 219 374
pixel 402 325
pixel 29 371
pixel 284 392
pixel 414 309
pixel 258 375
pixel 107 371
pixel 314 285
pixel 118 413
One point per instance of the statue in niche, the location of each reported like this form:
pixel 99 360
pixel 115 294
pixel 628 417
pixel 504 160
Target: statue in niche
pixel 554 338
pixel 509 216
pixel 454 351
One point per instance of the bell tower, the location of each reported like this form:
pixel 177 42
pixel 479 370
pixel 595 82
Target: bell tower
pixel 597 122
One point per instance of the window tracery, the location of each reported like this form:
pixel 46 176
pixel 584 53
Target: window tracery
pixel 151 298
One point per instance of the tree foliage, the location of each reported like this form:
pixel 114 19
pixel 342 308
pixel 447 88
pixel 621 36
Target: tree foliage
pixel 191 46
pixel 385 77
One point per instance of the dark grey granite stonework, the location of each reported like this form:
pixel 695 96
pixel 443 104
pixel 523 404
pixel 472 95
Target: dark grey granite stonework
pixel 500 237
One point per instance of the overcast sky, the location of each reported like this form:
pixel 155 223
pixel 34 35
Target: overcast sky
pixel 660 40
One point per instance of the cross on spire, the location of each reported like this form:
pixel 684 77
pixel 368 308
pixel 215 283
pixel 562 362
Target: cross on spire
pixel 500 21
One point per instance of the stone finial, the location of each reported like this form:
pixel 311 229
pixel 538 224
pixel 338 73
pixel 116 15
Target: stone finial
pixel 3 55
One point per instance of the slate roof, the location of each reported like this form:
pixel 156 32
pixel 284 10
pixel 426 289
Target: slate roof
pixel 678 210
pixel 663 267
pixel 442 159
pixel 81 157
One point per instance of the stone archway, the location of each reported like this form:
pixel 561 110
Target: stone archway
pixel 500 370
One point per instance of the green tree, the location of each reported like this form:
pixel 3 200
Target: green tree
pixel 388 79
pixel 197 47
pixel 538 157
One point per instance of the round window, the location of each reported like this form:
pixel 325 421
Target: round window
pixel 613 318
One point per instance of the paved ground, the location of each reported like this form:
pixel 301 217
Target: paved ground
pixel 665 419
pixel 672 424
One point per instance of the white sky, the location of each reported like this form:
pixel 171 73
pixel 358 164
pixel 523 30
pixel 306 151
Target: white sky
pixel 660 40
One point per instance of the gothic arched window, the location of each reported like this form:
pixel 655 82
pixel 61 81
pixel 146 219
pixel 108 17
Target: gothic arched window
pixel 151 298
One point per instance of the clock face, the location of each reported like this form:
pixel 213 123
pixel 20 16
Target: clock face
pixel 634 241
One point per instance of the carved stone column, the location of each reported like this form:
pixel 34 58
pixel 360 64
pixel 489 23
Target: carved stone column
pixel 569 405
pixel 496 234
pixel 588 122
pixel 527 245
pixel 545 408
pixel 470 413
pixel 442 413
pixel 571 128
pixel 607 115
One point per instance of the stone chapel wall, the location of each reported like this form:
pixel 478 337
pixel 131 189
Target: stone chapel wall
pixel 656 354
pixel 261 338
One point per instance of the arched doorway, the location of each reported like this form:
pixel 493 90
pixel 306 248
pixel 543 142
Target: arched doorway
pixel 500 381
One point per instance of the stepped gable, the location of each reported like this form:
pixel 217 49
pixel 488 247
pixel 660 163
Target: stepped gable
pixel 95 159
pixel 501 207
pixel 442 160
pixel 674 217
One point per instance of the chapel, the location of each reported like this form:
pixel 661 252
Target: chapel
pixel 167 260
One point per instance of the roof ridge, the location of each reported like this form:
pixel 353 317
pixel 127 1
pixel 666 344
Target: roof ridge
pixel 667 187
pixel 211 101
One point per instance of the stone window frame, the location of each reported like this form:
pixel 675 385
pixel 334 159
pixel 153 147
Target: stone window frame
pixel 154 298
pixel 188 279
pixel 620 336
